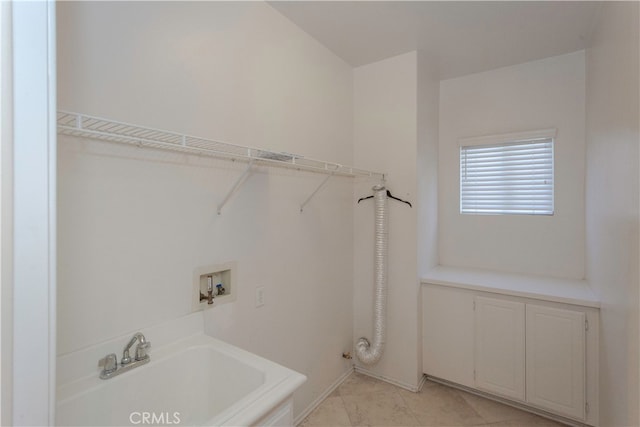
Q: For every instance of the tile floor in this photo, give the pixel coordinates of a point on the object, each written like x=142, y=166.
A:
x=365, y=401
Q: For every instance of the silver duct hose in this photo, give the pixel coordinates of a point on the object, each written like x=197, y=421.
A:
x=370, y=353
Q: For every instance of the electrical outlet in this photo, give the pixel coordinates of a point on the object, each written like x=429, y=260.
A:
x=260, y=296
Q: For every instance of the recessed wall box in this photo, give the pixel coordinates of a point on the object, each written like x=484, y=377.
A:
x=219, y=279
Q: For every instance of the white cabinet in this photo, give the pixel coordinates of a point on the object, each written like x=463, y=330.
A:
x=556, y=360
x=449, y=347
x=538, y=353
x=554, y=354
x=500, y=351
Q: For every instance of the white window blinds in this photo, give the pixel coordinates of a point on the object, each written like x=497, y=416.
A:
x=513, y=177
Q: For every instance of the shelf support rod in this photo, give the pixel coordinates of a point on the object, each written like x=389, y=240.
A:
x=237, y=184
x=315, y=191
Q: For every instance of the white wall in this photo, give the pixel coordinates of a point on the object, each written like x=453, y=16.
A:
x=548, y=93
x=6, y=216
x=385, y=139
x=134, y=224
x=427, y=175
x=427, y=163
x=612, y=205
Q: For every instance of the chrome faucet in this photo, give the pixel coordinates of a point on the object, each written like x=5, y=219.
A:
x=110, y=362
x=141, y=349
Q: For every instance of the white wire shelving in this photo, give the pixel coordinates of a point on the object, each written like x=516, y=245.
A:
x=82, y=125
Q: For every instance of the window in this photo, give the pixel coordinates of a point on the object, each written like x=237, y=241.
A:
x=507, y=174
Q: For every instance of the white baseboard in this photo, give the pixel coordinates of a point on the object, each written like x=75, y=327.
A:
x=423, y=380
x=401, y=384
x=313, y=405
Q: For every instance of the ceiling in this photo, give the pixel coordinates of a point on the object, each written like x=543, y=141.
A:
x=460, y=37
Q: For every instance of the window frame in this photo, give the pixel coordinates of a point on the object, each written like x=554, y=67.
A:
x=504, y=140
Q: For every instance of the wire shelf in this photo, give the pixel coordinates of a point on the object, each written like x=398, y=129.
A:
x=81, y=125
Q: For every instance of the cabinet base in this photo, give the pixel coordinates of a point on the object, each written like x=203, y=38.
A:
x=517, y=405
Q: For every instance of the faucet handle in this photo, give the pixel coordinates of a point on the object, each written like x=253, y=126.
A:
x=109, y=363
x=141, y=350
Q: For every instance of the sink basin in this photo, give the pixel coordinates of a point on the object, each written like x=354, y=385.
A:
x=198, y=380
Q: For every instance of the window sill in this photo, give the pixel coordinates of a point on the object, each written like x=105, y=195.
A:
x=567, y=291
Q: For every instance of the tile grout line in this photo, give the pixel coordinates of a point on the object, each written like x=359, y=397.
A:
x=466, y=402
x=413, y=414
x=344, y=405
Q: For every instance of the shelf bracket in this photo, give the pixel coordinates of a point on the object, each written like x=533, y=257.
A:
x=237, y=184
x=315, y=191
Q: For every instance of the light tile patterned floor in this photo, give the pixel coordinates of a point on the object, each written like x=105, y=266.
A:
x=365, y=401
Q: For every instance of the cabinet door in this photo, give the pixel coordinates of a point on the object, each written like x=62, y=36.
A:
x=447, y=334
x=556, y=360
x=500, y=347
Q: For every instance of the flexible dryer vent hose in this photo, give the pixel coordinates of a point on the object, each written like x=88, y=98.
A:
x=369, y=353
